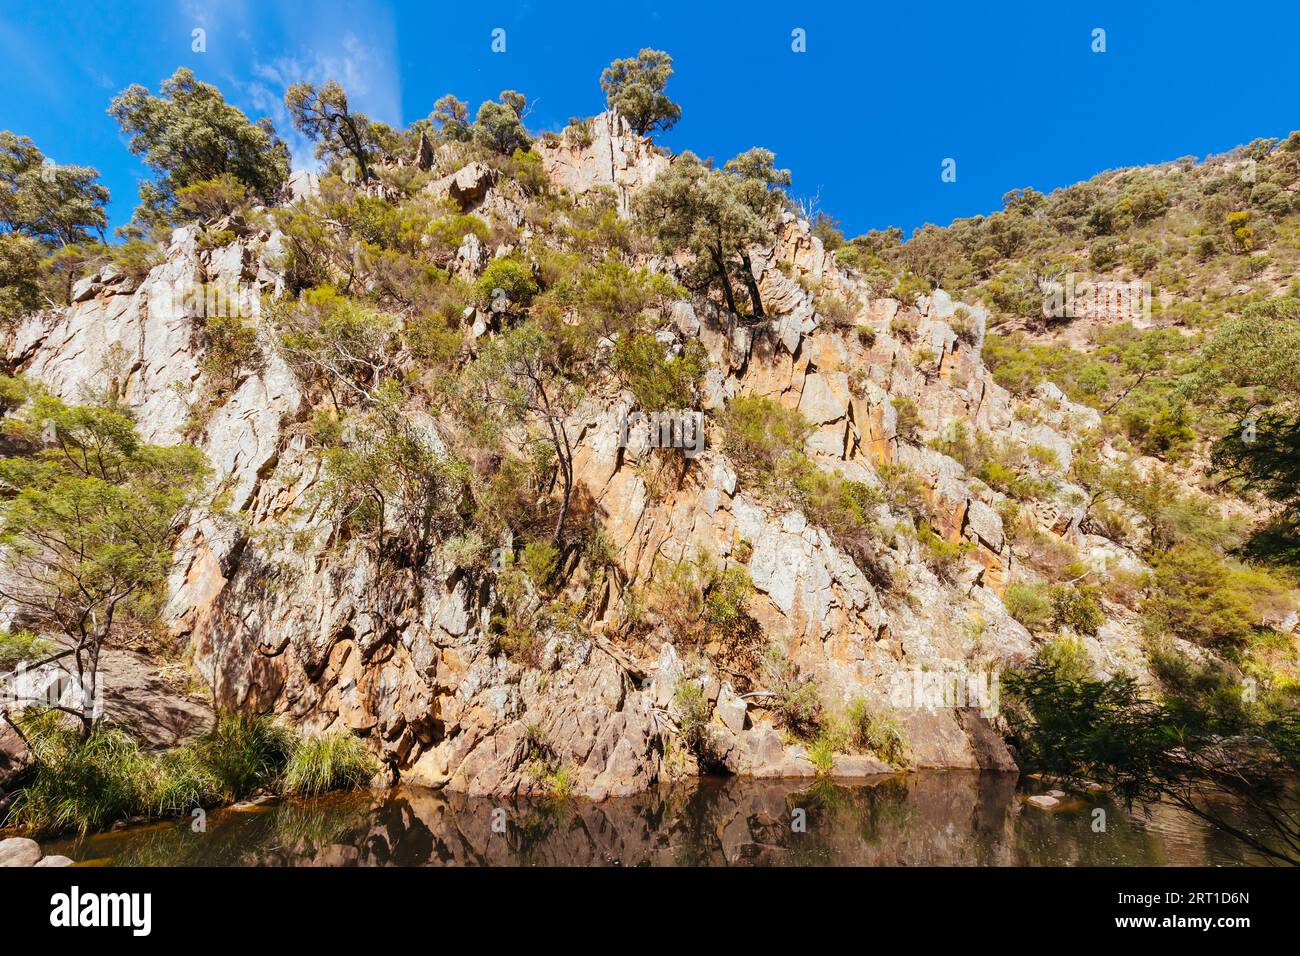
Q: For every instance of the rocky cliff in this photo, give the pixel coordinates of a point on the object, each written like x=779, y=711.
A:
x=278, y=615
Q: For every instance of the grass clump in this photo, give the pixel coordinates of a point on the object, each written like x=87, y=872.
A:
x=84, y=785
x=244, y=753
x=879, y=733
x=337, y=761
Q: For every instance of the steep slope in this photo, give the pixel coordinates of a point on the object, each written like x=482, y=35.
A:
x=282, y=613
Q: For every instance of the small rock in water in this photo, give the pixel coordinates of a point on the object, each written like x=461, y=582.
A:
x=1043, y=801
x=55, y=861
x=1058, y=794
x=19, y=851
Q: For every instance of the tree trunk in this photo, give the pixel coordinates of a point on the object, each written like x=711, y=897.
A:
x=752, y=285
x=720, y=264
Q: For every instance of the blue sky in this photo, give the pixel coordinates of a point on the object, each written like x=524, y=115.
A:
x=864, y=118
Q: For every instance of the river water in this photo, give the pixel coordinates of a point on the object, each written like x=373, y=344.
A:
x=942, y=818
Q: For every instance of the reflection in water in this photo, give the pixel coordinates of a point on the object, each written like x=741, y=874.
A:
x=952, y=818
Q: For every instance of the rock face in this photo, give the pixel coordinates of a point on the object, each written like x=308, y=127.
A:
x=612, y=157
x=280, y=619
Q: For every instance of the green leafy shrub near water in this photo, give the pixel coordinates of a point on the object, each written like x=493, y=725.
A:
x=87, y=785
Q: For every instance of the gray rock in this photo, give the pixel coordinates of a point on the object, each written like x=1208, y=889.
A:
x=56, y=861
x=19, y=851
x=860, y=765
x=819, y=403
x=467, y=186
x=986, y=524
x=731, y=709
x=1043, y=801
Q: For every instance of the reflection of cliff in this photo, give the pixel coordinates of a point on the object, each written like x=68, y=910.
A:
x=955, y=818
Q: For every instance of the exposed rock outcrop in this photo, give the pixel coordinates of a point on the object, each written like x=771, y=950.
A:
x=282, y=619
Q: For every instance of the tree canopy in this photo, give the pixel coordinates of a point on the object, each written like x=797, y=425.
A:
x=324, y=116
x=53, y=203
x=634, y=88
x=190, y=133
x=89, y=522
x=716, y=215
x=499, y=124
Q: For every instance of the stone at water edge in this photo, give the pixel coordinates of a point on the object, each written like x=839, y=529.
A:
x=55, y=861
x=1058, y=794
x=1043, y=801
x=19, y=851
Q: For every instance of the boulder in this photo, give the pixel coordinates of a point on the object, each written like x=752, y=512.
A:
x=467, y=186
x=986, y=523
x=731, y=709
x=14, y=758
x=19, y=851
x=822, y=401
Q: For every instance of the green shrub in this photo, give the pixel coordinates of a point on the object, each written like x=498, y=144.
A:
x=1028, y=605
x=1067, y=658
x=538, y=560
x=699, y=600
x=1200, y=597
x=1103, y=254
x=82, y=785
x=659, y=382
x=905, y=291
x=337, y=761
x=446, y=233
x=511, y=277
x=232, y=349
x=726, y=599
x=21, y=645
x=821, y=753
x=135, y=258
x=878, y=733
x=797, y=703
x=86, y=785
x=212, y=198
x=835, y=312
x=759, y=435
x=943, y=557
x=1075, y=607
x=693, y=712
x=908, y=419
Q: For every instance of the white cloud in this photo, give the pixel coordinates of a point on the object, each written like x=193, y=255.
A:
x=263, y=52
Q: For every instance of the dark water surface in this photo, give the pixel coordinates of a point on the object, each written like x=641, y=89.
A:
x=942, y=818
